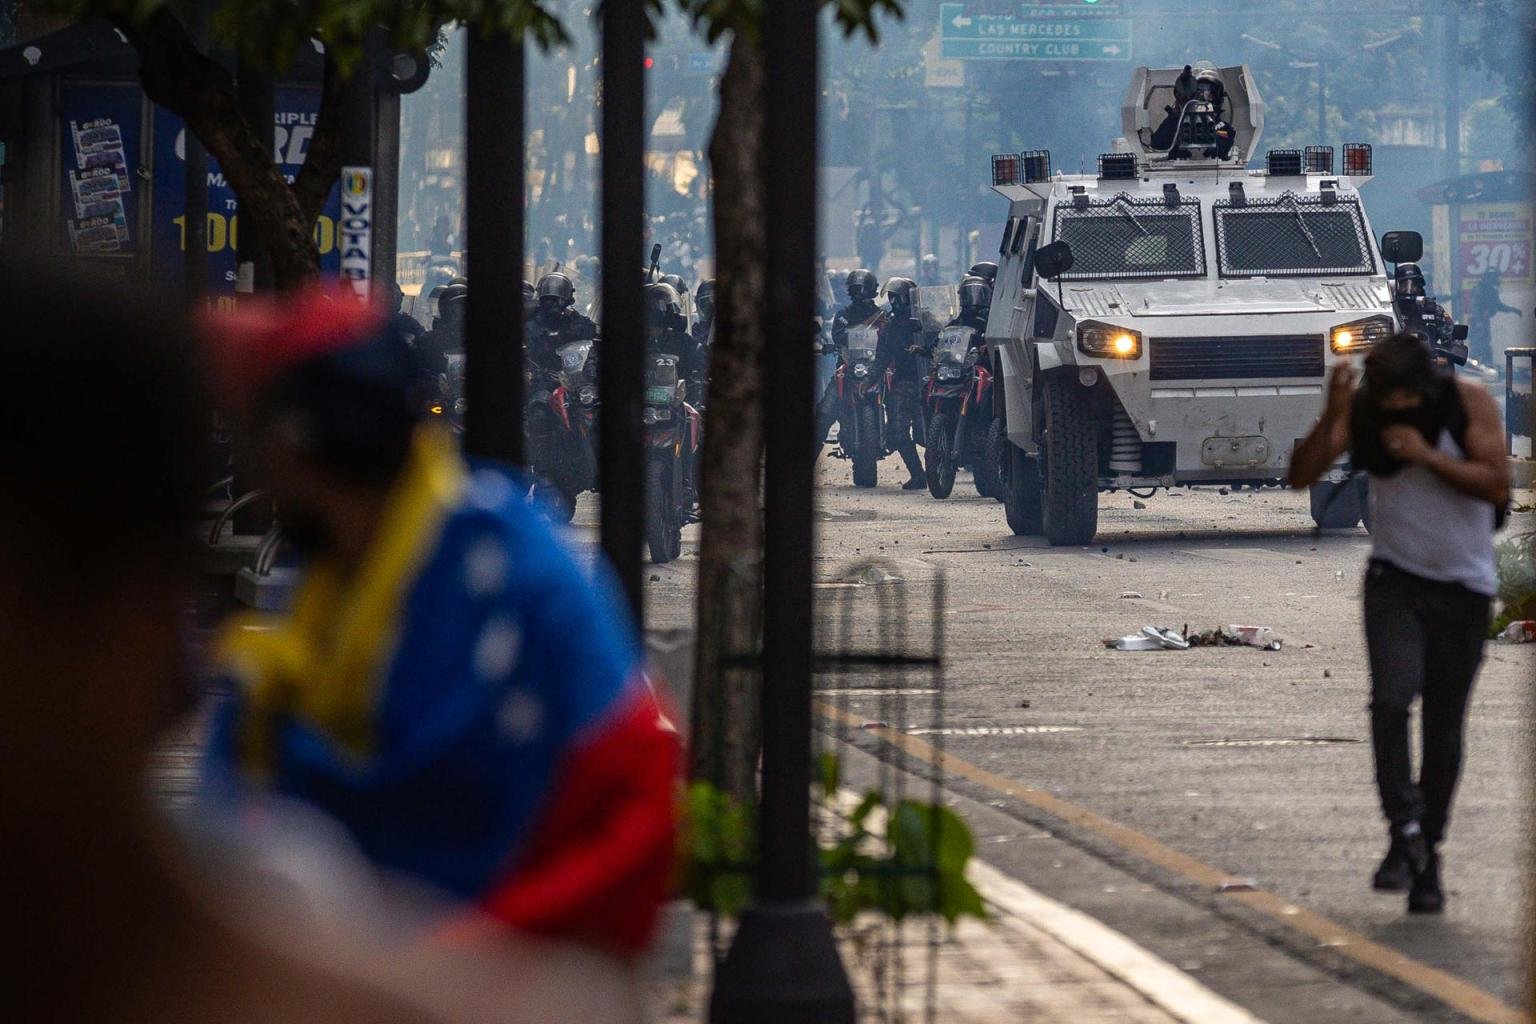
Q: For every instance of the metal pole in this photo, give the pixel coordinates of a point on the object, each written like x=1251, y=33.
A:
x=1322, y=102
x=493, y=210
x=783, y=966
x=1451, y=61
x=621, y=467
x=195, y=184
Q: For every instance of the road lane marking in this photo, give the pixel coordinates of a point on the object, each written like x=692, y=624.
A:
x=1454, y=992
x=1158, y=981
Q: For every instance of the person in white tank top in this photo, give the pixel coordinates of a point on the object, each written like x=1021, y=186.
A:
x=1434, y=448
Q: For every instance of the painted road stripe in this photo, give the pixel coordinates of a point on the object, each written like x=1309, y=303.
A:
x=1158, y=981
x=1454, y=992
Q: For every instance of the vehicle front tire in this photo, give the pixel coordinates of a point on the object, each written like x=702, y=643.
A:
x=1021, y=492
x=938, y=460
x=663, y=531
x=1338, y=506
x=1071, y=505
x=866, y=452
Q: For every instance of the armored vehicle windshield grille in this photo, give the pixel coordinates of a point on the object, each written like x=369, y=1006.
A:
x=1291, y=236
x=1125, y=238
x=1236, y=358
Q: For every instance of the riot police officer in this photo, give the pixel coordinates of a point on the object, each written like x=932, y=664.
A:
x=975, y=295
x=902, y=348
x=704, y=312
x=409, y=327
x=1195, y=120
x=928, y=271
x=554, y=323
x=446, y=337
x=666, y=332
x=862, y=288
x=985, y=270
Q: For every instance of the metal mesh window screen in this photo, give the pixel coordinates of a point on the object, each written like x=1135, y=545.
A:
x=1128, y=238
x=1291, y=236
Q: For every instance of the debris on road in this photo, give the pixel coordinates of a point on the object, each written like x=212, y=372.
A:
x=1522, y=631
x=1261, y=637
x=1138, y=505
x=1130, y=595
x=1151, y=638
x=1238, y=885
x=873, y=576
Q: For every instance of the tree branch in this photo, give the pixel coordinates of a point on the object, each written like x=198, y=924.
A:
x=322, y=164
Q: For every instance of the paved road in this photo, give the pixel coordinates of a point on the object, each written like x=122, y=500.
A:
x=1196, y=751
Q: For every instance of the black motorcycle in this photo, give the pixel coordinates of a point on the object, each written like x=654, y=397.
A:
x=957, y=401
x=561, y=429
x=861, y=391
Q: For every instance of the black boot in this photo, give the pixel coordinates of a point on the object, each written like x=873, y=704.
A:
x=1405, y=857
x=914, y=471
x=1425, y=897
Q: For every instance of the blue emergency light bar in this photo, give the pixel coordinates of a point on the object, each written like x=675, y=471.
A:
x=1037, y=165
x=1281, y=163
x=1117, y=166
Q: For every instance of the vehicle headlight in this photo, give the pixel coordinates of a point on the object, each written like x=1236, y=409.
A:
x=1106, y=341
x=1360, y=335
x=860, y=370
x=949, y=372
x=652, y=416
x=587, y=395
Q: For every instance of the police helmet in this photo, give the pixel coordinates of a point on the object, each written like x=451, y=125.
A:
x=975, y=294
x=861, y=284
x=985, y=270
x=704, y=298
x=660, y=299
x=677, y=283
x=1408, y=280
x=902, y=291
x=451, y=299
x=558, y=287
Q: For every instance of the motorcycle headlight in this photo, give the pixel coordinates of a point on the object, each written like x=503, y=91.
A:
x=1360, y=335
x=949, y=373
x=587, y=395
x=1106, y=341
x=652, y=416
x=860, y=370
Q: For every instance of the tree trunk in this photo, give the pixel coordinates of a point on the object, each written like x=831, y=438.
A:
x=725, y=715
x=179, y=77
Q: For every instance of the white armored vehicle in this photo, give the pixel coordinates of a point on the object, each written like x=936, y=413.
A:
x=1171, y=320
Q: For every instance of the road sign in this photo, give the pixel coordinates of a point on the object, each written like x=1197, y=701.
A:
x=1036, y=33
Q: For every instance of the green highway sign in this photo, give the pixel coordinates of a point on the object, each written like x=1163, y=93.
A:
x=1036, y=33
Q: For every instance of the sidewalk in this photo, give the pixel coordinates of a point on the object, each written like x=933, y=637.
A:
x=1036, y=960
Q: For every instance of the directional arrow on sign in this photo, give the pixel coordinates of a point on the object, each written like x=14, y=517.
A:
x=1113, y=51
x=961, y=21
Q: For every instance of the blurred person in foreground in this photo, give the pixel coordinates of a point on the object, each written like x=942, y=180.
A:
x=448, y=685
x=1434, y=449
x=101, y=466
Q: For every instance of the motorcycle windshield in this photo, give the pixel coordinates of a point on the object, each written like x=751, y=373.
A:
x=952, y=346
x=861, y=344
x=662, y=373
x=573, y=356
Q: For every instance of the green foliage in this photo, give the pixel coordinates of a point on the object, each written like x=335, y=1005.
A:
x=716, y=18
x=898, y=862
x=1516, y=560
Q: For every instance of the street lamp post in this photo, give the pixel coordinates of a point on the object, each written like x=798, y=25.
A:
x=783, y=966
